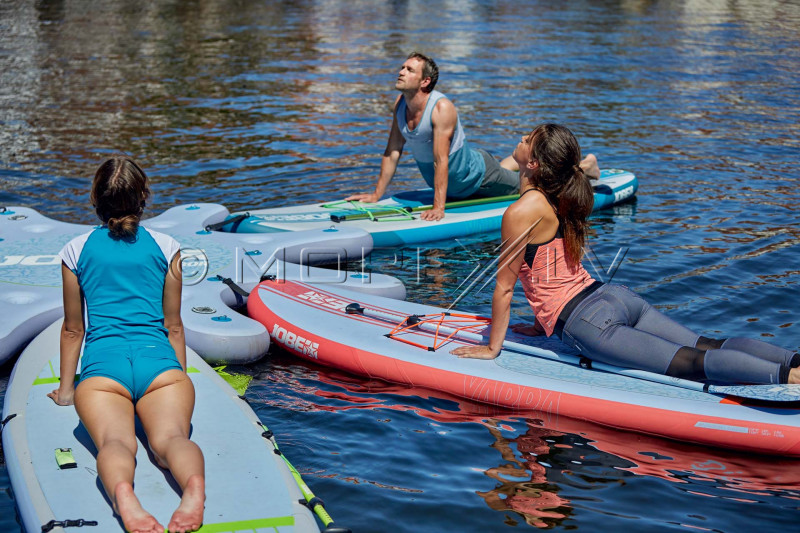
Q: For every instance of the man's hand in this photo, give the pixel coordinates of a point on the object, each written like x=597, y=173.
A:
x=367, y=198
x=437, y=213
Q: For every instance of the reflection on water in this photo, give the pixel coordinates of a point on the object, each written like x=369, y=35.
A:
x=256, y=104
x=544, y=470
x=535, y=499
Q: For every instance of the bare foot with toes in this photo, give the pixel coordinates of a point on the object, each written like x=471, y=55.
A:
x=189, y=514
x=134, y=517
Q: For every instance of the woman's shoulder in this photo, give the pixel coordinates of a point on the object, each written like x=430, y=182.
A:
x=157, y=235
x=71, y=252
x=532, y=205
x=166, y=243
x=83, y=237
x=531, y=210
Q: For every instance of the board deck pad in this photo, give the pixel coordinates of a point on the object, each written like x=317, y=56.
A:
x=248, y=485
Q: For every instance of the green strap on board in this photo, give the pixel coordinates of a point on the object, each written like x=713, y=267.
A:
x=377, y=210
x=247, y=525
x=370, y=211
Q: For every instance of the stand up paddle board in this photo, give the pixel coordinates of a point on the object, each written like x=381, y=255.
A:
x=395, y=221
x=249, y=487
x=376, y=339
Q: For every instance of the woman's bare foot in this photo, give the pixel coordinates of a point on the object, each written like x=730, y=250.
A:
x=134, y=517
x=531, y=330
x=189, y=514
x=590, y=167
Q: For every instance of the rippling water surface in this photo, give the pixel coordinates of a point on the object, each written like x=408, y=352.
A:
x=256, y=104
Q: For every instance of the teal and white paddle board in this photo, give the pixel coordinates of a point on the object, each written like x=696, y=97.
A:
x=30, y=274
x=248, y=486
x=395, y=221
x=314, y=323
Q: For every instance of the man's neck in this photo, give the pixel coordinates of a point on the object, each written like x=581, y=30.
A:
x=416, y=100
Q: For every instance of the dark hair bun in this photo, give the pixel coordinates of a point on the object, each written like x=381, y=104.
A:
x=123, y=227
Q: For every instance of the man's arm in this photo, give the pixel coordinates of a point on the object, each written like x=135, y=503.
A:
x=391, y=156
x=444, y=119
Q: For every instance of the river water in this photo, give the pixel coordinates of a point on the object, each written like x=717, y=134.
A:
x=257, y=104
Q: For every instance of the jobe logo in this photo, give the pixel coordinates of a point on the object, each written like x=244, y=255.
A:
x=30, y=260
x=264, y=220
x=624, y=193
x=294, y=341
x=324, y=301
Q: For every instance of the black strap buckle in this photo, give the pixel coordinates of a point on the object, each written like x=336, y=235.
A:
x=313, y=502
x=52, y=524
x=7, y=419
x=233, y=220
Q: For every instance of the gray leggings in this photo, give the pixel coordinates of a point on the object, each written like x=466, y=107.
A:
x=497, y=181
x=616, y=326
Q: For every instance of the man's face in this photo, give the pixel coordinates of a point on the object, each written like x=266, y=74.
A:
x=410, y=76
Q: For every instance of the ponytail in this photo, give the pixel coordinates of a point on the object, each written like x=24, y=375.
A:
x=575, y=203
x=563, y=182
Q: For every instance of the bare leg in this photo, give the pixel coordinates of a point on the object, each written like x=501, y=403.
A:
x=106, y=410
x=590, y=167
x=165, y=411
x=794, y=376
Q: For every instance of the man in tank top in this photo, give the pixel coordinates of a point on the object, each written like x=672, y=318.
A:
x=427, y=121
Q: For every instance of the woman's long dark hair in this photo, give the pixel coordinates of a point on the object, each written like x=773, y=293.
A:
x=119, y=194
x=561, y=179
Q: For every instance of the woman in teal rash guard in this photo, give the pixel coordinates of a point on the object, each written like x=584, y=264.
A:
x=128, y=279
x=543, y=234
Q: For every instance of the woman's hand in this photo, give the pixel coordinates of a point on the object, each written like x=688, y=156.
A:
x=62, y=398
x=475, y=352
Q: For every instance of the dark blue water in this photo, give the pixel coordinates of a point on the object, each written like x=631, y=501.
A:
x=255, y=104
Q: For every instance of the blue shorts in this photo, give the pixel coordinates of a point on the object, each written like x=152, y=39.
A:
x=134, y=366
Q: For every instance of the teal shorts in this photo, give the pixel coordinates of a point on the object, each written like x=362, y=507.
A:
x=134, y=366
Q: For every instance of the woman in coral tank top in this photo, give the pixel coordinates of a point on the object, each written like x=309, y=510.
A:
x=543, y=235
